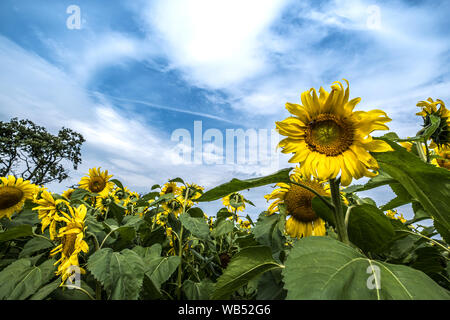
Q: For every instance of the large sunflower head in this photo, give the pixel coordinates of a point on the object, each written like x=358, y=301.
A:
x=97, y=182
x=13, y=193
x=303, y=221
x=328, y=137
x=441, y=136
x=234, y=202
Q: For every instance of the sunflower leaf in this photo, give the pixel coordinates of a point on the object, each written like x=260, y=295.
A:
x=424, y=182
x=197, y=226
x=21, y=231
x=324, y=268
x=120, y=273
x=236, y=185
x=246, y=265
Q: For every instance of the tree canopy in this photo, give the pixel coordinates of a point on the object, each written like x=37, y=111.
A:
x=29, y=151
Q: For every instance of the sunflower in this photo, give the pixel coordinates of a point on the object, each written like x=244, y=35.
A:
x=48, y=209
x=13, y=193
x=72, y=242
x=97, y=182
x=68, y=193
x=174, y=205
x=234, y=202
x=194, y=192
x=245, y=225
x=328, y=137
x=441, y=137
x=304, y=221
x=444, y=154
x=393, y=214
x=169, y=187
x=102, y=203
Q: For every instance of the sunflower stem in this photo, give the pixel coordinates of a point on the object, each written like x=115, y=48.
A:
x=180, y=252
x=329, y=205
x=420, y=151
x=427, y=150
x=338, y=212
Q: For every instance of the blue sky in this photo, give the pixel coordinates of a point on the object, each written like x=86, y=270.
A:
x=138, y=70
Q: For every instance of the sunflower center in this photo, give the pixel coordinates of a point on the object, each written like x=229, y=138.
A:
x=298, y=201
x=68, y=242
x=97, y=184
x=328, y=134
x=10, y=196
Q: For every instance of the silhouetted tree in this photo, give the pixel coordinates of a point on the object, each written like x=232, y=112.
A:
x=30, y=152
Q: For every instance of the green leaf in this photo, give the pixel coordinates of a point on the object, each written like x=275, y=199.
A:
x=117, y=183
x=380, y=180
x=223, y=227
x=21, y=279
x=79, y=194
x=121, y=274
x=323, y=268
x=198, y=290
x=236, y=185
x=16, y=232
x=368, y=226
x=46, y=290
x=425, y=183
x=159, y=269
x=268, y=231
x=196, y=213
x=35, y=245
x=271, y=286
x=197, y=226
x=143, y=201
x=244, y=266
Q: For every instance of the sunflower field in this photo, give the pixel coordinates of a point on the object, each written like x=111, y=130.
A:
x=316, y=239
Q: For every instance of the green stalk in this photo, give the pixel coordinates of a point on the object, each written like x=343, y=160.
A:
x=180, y=252
x=338, y=213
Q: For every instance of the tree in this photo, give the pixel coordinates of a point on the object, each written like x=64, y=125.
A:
x=29, y=151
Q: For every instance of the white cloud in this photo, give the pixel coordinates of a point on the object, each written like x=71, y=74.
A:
x=216, y=43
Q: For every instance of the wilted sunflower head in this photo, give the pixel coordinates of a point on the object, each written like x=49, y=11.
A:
x=13, y=193
x=234, y=202
x=441, y=136
x=174, y=205
x=327, y=137
x=191, y=192
x=97, y=182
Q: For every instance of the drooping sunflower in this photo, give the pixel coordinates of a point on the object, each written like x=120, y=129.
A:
x=72, y=241
x=328, y=137
x=102, y=203
x=174, y=205
x=48, y=209
x=194, y=192
x=234, y=202
x=441, y=137
x=303, y=221
x=13, y=193
x=97, y=182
